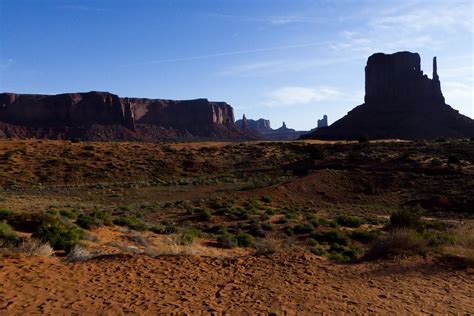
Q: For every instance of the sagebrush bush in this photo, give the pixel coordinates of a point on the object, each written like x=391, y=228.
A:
x=332, y=236
x=349, y=221
x=302, y=229
x=364, y=236
x=266, y=246
x=7, y=234
x=187, y=236
x=130, y=222
x=318, y=251
x=59, y=235
x=405, y=219
x=226, y=240
x=244, y=239
x=163, y=229
x=399, y=242
x=88, y=222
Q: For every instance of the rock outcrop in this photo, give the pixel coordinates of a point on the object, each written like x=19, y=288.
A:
x=105, y=116
x=323, y=122
x=400, y=102
x=260, y=125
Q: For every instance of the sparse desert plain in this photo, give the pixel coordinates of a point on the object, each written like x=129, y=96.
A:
x=298, y=227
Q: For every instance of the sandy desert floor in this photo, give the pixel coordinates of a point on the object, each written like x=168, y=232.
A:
x=285, y=283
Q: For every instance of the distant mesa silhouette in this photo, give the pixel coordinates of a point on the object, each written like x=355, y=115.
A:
x=400, y=102
x=264, y=130
x=260, y=125
x=105, y=116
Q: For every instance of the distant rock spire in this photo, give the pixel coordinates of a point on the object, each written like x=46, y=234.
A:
x=244, y=121
x=435, y=69
x=283, y=124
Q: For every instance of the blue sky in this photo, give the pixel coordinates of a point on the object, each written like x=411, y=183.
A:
x=287, y=61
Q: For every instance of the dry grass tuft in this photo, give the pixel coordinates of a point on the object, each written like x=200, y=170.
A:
x=78, y=254
x=35, y=247
x=462, y=245
x=399, y=243
x=267, y=246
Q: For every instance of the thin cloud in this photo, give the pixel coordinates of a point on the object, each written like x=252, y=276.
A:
x=223, y=54
x=6, y=64
x=297, y=95
x=81, y=8
x=276, y=66
x=276, y=20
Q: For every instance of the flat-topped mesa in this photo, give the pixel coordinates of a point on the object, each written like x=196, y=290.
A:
x=190, y=114
x=105, y=116
x=397, y=78
x=68, y=109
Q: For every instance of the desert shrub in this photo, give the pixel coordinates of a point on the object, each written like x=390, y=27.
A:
x=130, y=222
x=404, y=219
x=35, y=247
x=266, y=246
x=343, y=253
x=318, y=251
x=163, y=229
x=7, y=234
x=331, y=236
x=316, y=153
x=244, y=239
x=266, y=199
x=438, y=238
x=311, y=242
x=301, y=229
x=29, y=222
x=68, y=214
x=267, y=226
x=399, y=242
x=461, y=245
x=138, y=239
x=187, y=236
x=364, y=235
x=349, y=221
x=226, y=240
x=6, y=214
x=59, y=235
x=204, y=214
x=94, y=220
x=87, y=221
x=256, y=230
x=312, y=219
x=78, y=253
x=288, y=230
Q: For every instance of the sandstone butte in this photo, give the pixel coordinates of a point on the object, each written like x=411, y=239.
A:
x=400, y=102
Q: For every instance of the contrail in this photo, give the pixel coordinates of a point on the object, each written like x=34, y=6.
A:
x=239, y=52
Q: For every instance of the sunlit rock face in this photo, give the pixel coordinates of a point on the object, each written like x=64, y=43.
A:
x=105, y=116
x=400, y=102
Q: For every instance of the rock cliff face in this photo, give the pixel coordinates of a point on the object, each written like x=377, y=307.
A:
x=105, y=116
x=400, y=102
